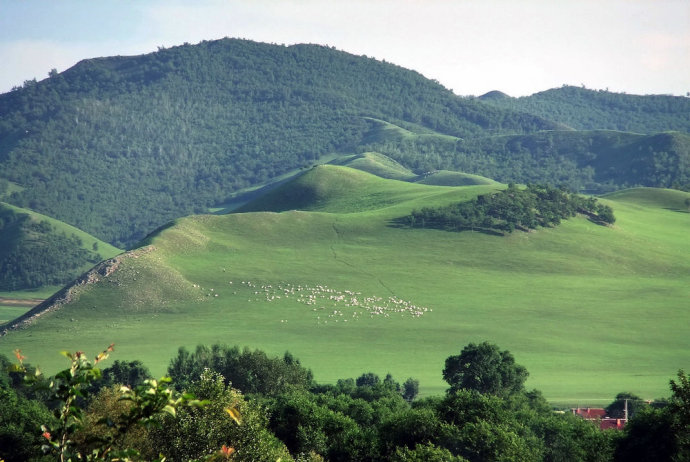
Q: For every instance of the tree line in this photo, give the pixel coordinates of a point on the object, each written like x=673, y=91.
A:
x=511, y=209
x=226, y=403
x=593, y=161
x=585, y=109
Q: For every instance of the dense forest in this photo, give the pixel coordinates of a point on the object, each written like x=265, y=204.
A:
x=584, y=109
x=511, y=209
x=119, y=146
x=590, y=161
x=223, y=403
x=33, y=253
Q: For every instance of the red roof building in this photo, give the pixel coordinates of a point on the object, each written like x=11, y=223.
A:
x=599, y=415
x=590, y=413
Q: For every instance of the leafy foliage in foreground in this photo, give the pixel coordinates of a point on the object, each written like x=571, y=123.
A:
x=511, y=209
x=365, y=419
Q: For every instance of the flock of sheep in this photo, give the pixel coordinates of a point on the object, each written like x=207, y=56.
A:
x=327, y=304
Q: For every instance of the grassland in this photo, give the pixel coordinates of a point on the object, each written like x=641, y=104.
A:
x=326, y=274
x=15, y=303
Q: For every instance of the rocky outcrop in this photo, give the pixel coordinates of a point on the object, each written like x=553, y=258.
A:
x=68, y=293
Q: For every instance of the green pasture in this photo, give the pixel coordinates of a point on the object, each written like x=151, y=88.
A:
x=589, y=310
x=39, y=293
x=9, y=312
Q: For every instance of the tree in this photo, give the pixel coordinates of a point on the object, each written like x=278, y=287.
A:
x=425, y=453
x=250, y=371
x=680, y=408
x=20, y=419
x=605, y=214
x=485, y=428
x=368, y=379
x=486, y=369
x=410, y=389
x=196, y=432
x=617, y=408
x=660, y=434
x=129, y=373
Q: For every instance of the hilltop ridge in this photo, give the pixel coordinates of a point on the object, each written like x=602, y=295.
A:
x=584, y=109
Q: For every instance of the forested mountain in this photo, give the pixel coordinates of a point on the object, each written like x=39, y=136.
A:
x=584, y=109
x=121, y=145
x=118, y=146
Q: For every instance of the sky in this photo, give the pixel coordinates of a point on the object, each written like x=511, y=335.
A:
x=519, y=47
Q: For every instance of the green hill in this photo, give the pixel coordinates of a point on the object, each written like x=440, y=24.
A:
x=653, y=197
x=449, y=178
x=590, y=310
x=330, y=188
x=379, y=165
x=37, y=251
x=584, y=109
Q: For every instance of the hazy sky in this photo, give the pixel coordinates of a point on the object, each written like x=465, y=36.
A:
x=471, y=46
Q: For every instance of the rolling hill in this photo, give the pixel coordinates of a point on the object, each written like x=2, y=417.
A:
x=322, y=269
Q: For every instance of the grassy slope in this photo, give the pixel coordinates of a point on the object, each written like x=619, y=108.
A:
x=380, y=165
x=450, y=178
x=589, y=310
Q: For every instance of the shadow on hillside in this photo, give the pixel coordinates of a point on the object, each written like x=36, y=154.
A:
x=404, y=223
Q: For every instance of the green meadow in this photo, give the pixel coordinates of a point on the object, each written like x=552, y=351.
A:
x=320, y=267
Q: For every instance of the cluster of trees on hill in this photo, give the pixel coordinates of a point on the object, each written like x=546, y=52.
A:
x=120, y=413
x=119, y=146
x=584, y=109
x=511, y=209
x=33, y=253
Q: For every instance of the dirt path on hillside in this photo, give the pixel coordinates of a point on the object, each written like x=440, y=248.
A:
x=25, y=302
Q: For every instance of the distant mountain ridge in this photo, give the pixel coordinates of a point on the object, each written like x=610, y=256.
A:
x=584, y=109
x=119, y=146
